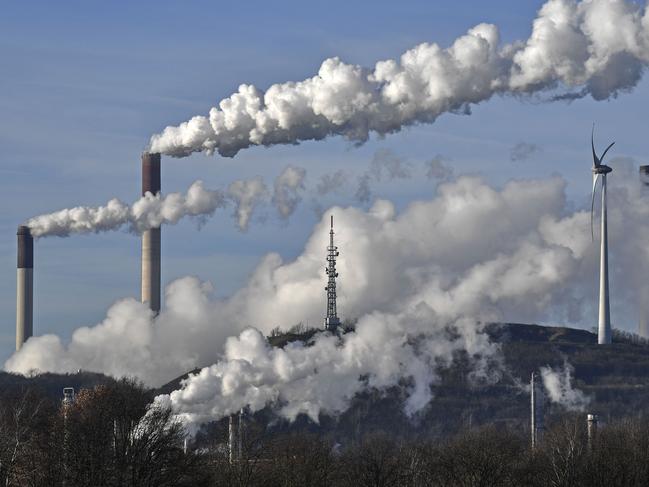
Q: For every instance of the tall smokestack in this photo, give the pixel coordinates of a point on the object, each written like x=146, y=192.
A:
x=643, y=309
x=24, y=287
x=151, y=238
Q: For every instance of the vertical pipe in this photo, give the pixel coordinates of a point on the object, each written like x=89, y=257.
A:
x=643, y=291
x=240, y=439
x=604, y=328
x=24, y=286
x=151, y=270
x=533, y=410
x=591, y=420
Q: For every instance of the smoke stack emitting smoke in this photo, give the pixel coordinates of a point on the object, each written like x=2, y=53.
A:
x=542, y=247
x=151, y=238
x=24, y=286
x=599, y=47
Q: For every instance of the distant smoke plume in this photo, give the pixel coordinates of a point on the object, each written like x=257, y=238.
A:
x=364, y=190
x=147, y=212
x=331, y=182
x=419, y=280
x=247, y=195
x=436, y=169
x=287, y=188
x=523, y=151
x=558, y=384
x=385, y=166
x=597, y=48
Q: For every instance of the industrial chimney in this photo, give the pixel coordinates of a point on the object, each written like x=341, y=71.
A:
x=151, y=238
x=643, y=309
x=24, y=286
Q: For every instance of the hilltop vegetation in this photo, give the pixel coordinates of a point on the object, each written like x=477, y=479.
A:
x=471, y=433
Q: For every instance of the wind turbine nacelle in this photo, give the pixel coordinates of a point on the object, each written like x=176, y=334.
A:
x=602, y=169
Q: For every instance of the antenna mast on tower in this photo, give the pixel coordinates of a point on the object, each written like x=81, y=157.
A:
x=331, y=321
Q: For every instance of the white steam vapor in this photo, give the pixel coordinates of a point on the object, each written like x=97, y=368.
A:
x=558, y=383
x=286, y=194
x=148, y=212
x=385, y=166
x=418, y=281
x=596, y=47
x=247, y=194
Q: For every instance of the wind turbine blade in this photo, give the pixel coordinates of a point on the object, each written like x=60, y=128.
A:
x=592, y=206
x=602, y=158
x=592, y=145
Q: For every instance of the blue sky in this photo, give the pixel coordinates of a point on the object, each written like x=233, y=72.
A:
x=84, y=84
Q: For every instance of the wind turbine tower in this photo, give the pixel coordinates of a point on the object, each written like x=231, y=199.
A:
x=599, y=169
x=331, y=322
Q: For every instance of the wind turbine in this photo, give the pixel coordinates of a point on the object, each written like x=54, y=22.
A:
x=599, y=169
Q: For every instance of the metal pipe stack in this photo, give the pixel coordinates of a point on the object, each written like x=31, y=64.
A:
x=151, y=270
x=591, y=421
x=536, y=411
x=24, y=287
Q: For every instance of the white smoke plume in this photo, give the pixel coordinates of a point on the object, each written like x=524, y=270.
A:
x=595, y=47
x=418, y=280
x=148, y=212
x=247, y=194
x=559, y=384
x=287, y=188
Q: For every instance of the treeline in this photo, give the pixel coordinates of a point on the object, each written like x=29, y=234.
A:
x=112, y=436
x=617, y=455
x=109, y=436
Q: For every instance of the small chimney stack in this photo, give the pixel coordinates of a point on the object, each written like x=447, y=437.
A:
x=591, y=421
x=536, y=411
x=24, y=286
x=151, y=242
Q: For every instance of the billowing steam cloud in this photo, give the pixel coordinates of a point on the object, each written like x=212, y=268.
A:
x=558, y=383
x=596, y=48
x=148, y=212
x=153, y=211
x=418, y=281
x=286, y=194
